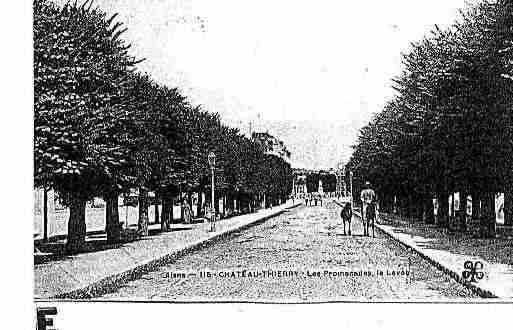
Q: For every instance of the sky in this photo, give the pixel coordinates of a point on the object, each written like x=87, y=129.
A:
x=311, y=73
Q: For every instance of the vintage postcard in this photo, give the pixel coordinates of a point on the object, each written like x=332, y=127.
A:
x=284, y=152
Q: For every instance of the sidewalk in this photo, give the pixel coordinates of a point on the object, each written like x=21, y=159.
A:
x=86, y=274
x=449, y=252
x=95, y=220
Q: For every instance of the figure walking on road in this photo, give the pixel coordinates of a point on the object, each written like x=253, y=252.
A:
x=368, y=198
x=347, y=215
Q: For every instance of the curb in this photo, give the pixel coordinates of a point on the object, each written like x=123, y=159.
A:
x=109, y=283
x=483, y=293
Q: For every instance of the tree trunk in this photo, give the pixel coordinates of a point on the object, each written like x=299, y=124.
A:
x=452, y=213
x=156, y=205
x=164, y=223
x=411, y=206
x=453, y=205
x=112, y=219
x=474, y=223
x=142, y=224
x=508, y=206
x=216, y=203
x=462, y=212
x=45, y=215
x=415, y=210
x=403, y=209
x=224, y=206
x=419, y=207
x=182, y=214
x=443, y=210
x=476, y=205
x=172, y=209
x=389, y=208
x=76, y=225
x=488, y=217
x=232, y=203
x=385, y=204
x=429, y=210
x=228, y=199
x=200, y=204
x=399, y=206
x=189, y=200
x=463, y=200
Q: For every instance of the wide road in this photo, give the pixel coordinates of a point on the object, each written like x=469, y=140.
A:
x=300, y=256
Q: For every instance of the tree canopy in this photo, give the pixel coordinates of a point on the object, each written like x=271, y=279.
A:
x=449, y=127
x=102, y=128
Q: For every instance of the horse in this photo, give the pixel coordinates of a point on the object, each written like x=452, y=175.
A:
x=346, y=214
x=369, y=218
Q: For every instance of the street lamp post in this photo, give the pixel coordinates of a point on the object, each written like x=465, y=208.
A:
x=212, y=163
x=340, y=180
x=293, y=189
x=351, y=187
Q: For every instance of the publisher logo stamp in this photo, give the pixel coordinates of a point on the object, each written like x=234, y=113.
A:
x=472, y=272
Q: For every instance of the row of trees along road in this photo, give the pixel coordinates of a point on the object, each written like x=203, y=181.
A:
x=329, y=181
x=102, y=128
x=449, y=127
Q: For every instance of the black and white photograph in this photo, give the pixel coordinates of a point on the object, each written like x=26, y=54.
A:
x=271, y=152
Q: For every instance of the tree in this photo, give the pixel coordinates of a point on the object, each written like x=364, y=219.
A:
x=102, y=129
x=80, y=67
x=453, y=98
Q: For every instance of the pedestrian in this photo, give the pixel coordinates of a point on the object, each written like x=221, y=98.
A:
x=210, y=217
x=368, y=198
x=187, y=212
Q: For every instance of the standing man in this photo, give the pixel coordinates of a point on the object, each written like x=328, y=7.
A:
x=368, y=197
